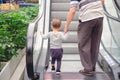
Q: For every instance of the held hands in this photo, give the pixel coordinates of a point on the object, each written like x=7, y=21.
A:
x=66, y=29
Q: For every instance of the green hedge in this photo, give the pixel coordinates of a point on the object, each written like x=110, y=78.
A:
x=13, y=29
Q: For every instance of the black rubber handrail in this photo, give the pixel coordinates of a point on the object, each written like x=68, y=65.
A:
x=29, y=52
x=29, y=49
x=29, y=45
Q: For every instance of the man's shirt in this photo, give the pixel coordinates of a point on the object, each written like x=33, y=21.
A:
x=88, y=9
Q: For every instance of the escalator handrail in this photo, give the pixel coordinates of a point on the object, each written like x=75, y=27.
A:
x=30, y=42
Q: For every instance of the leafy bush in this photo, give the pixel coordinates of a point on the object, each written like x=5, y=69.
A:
x=13, y=29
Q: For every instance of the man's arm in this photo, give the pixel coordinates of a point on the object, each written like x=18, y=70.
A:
x=71, y=13
x=65, y=36
x=102, y=1
x=70, y=16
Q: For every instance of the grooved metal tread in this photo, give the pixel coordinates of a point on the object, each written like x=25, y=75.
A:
x=63, y=15
x=61, y=7
x=70, y=48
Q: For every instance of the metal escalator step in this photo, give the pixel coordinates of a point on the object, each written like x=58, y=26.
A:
x=73, y=25
x=62, y=15
x=60, y=6
x=70, y=48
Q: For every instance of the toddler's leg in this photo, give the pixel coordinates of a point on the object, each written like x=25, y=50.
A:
x=53, y=64
x=58, y=64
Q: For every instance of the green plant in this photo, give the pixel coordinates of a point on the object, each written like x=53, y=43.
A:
x=13, y=29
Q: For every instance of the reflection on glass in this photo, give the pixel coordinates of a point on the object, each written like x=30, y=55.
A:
x=34, y=50
x=118, y=3
x=114, y=26
x=115, y=31
x=111, y=39
x=110, y=8
x=111, y=34
x=37, y=48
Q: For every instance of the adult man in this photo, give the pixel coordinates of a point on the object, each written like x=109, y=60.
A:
x=89, y=31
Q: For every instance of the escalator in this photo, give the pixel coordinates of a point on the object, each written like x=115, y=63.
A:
x=38, y=59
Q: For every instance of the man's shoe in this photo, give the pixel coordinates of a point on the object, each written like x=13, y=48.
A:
x=87, y=73
x=94, y=69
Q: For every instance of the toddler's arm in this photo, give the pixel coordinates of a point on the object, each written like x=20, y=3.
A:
x=65, y=35
x=45, y=36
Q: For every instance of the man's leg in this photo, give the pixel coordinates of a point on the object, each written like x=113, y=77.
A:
x=96, y=37
x=84, y=43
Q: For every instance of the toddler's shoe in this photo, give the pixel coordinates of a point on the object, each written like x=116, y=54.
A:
x=53, y=69
x=58, y=72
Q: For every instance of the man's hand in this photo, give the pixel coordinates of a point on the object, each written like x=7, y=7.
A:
x=66, y=29
x=102, y=1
